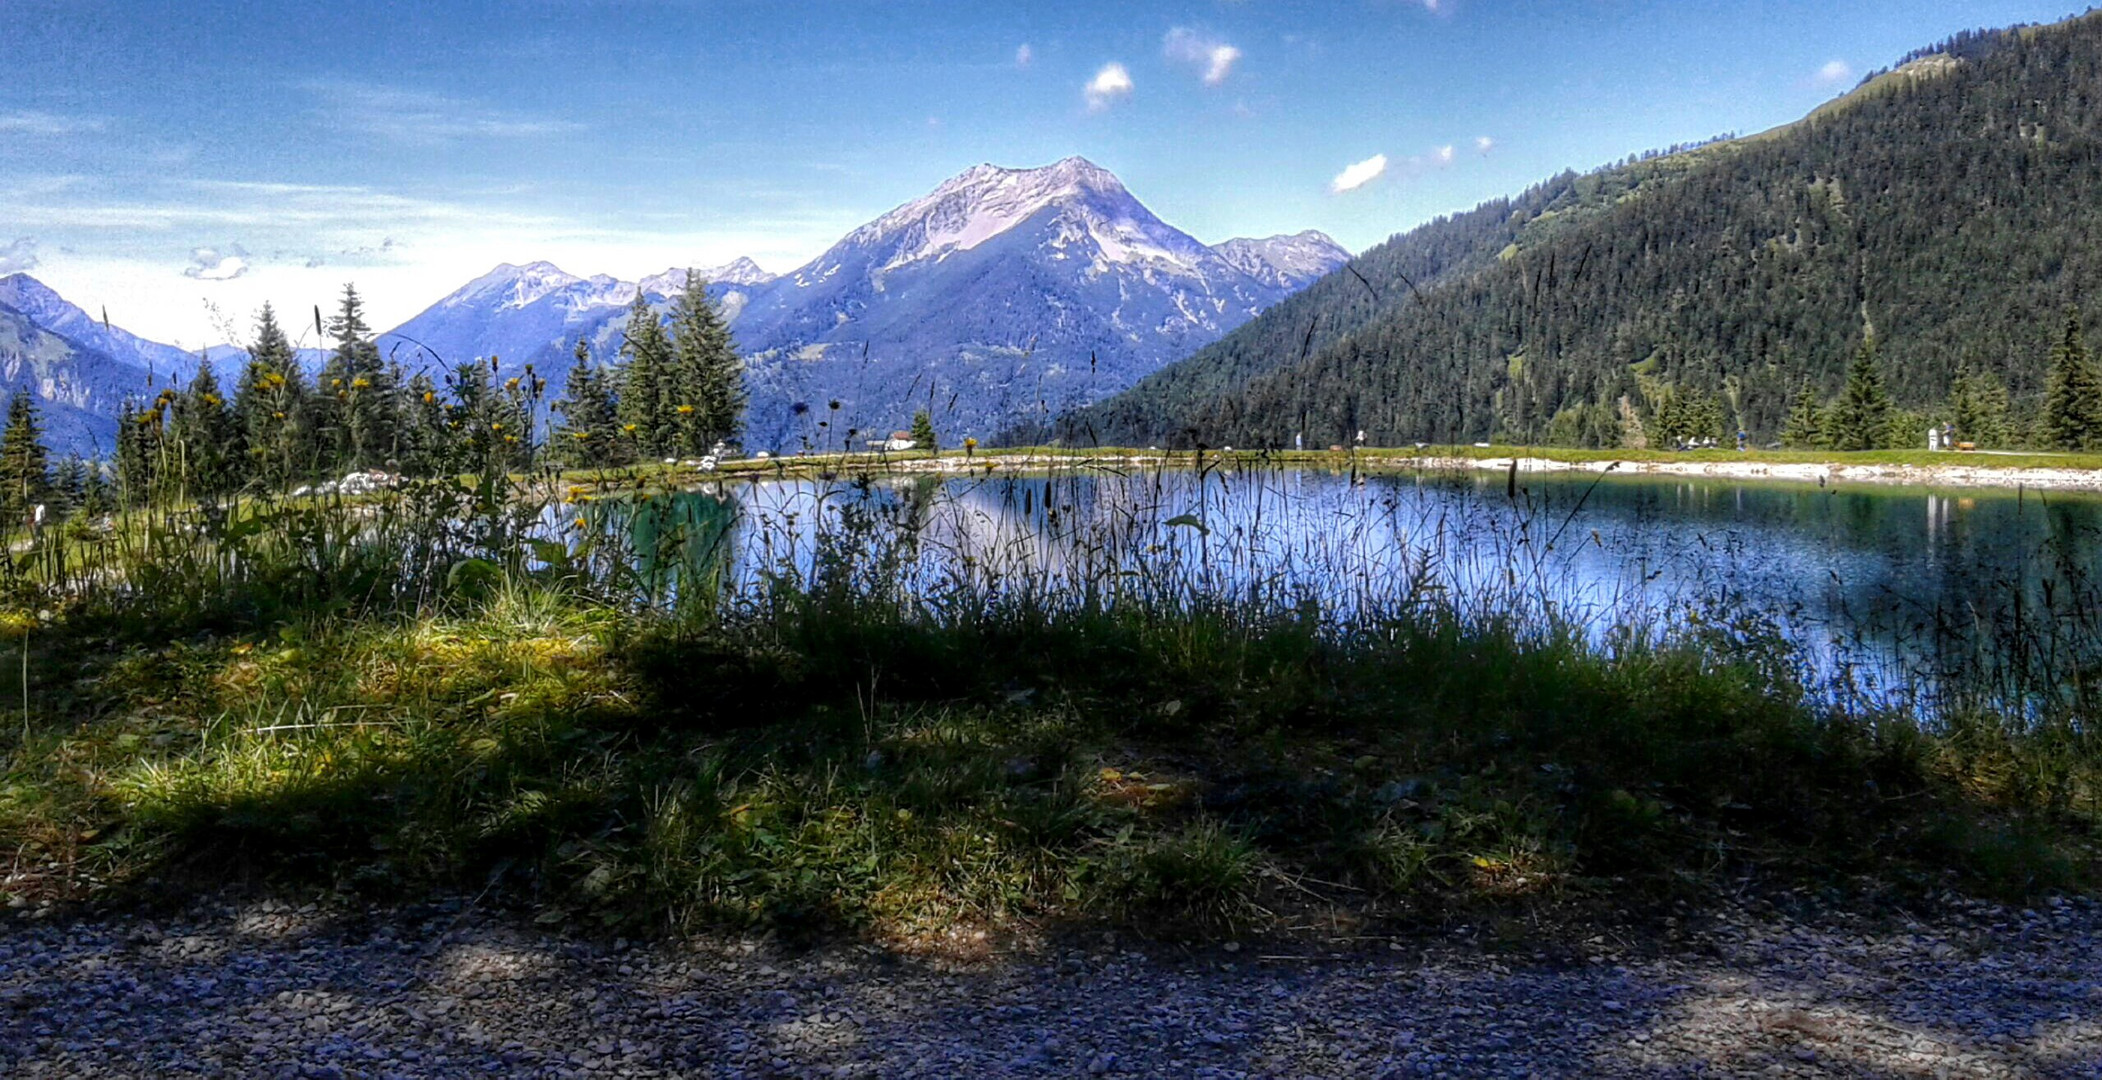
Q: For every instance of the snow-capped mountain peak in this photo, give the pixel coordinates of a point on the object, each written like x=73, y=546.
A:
x=739, y=271
x=986, y=201
x=511, y=286
x=1285, y=261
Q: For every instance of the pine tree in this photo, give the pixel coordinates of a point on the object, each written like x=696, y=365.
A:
x=708, y=375
x=589, y=435
x=1802, y=430
x=207, y=440
x=1860, y=419
x=2072, y=415
x=923, y=437
x=646, y=413
x=25, y=470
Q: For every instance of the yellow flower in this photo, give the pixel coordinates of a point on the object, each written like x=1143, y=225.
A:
x=360, y=383
x=580, y=434
x=511, y=383
x=580, y=523
x=685, y=409
x=496, y=427
x=429, y=397
x=629, y=428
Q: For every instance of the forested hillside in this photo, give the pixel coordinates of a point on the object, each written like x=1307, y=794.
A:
x=1948, y=210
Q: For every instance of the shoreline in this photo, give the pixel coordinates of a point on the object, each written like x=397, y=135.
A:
x=1823, y=475
x=1820, y=473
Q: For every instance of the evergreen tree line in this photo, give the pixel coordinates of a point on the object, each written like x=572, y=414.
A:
x=1958, y=202
x=674, y=389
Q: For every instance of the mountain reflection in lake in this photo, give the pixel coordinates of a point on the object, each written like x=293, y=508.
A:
x=1878, y=586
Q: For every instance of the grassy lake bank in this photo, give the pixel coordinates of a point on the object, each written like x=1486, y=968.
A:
x=1907, y=468
x=418, y=690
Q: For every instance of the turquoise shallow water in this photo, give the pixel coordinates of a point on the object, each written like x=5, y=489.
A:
x=1882, y=586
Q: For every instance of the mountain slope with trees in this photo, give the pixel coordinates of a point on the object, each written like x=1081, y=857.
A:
x=1948, y=210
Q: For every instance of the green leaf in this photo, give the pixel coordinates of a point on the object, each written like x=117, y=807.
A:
x=1190, y=521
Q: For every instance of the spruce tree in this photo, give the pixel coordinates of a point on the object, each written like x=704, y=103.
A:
x=69, y=486
x=589, y=435
x=2072, y=414
x=646, y=413
x=1801, y=430
x=138, y=439
x=708, y=379
x=427, y=437
x=25, y=469
x=923, y=431
x=1979, y=408
x=362, y=410
x=1860, y=419
x=272, y=408
x=207, y=440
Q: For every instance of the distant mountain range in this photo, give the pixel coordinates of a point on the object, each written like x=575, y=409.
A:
x=1953, y=203
x=1006, y=295
x=78, y=368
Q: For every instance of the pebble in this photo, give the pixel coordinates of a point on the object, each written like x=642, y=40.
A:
x=442, y=990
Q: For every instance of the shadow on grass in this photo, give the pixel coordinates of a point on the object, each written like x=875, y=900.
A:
x=834, y=768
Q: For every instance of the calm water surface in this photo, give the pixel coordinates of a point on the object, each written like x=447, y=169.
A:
x=1877, y=583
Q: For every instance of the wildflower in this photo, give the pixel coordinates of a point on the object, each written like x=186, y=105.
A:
x=579, y=523
x=360, y=383
x=685, y=410
x=429, y=396
x=629, y=428
x=580, y=434
x=496, y=427
x=511, y=383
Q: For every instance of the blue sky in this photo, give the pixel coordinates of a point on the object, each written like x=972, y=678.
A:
x=169, y=160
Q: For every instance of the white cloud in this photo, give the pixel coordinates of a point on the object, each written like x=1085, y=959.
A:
x=420, y=118
x=32, y=122
x=18, y=256
x=1360, y=174
x=1186, y=46
x=211, y=264
x=1024, y=56
x=1835, y=73
x=1109, y=85
x=1484, y=144
x=1442, y=155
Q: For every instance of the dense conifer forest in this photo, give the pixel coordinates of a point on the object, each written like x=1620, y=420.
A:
x=1922, y=250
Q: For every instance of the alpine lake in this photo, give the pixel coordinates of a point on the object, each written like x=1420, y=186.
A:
x=1880, y=596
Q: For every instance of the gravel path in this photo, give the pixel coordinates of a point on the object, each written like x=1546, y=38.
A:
x=263, y=989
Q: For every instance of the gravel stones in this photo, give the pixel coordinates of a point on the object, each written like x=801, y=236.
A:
x=263, y=989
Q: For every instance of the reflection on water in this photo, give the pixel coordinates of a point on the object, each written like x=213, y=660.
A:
x=1878, y=585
